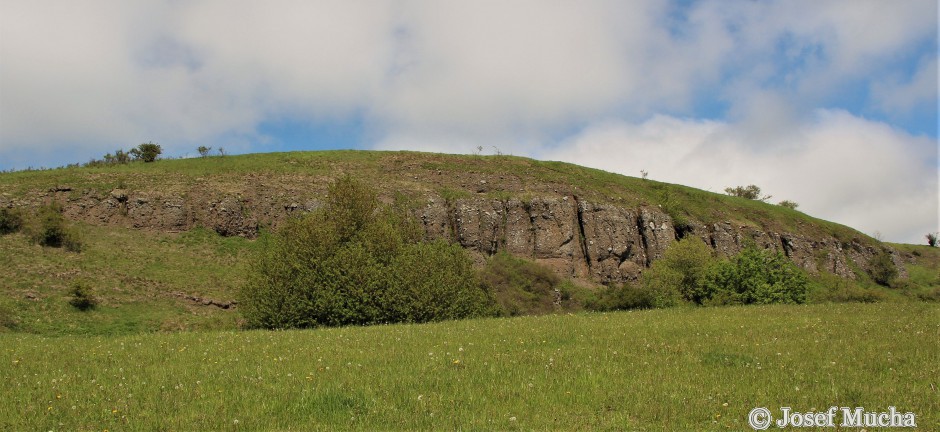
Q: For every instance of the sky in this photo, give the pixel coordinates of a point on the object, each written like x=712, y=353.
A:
x=831, y=104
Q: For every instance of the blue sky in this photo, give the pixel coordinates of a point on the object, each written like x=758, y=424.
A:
x=832, y=104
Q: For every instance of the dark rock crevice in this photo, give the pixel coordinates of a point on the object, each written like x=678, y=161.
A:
x=581, y=235
x=641, y=227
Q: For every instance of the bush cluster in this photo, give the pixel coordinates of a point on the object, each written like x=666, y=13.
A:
x=82, y=297
x=882, y=269
x=47, y=227
x=624, y=297
x=50, y=229
x=755, y=276
x=11, y=220
x=688, y=272
x=147, y=152
x=750, y=192
x=679, y=275
x=356, y=262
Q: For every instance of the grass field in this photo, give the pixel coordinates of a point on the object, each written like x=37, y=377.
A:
x=674, y=369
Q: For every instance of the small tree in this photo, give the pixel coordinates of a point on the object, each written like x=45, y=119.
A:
x=750, y=192
x=932, y=239
x=147, y=152
x=203, y=151
x=788, y=204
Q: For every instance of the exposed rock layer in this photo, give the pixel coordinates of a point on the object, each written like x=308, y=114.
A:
x=598, y=241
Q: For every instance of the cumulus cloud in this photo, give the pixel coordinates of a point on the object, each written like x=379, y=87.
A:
x=113, y=73
x=839, y=167
x=472, y=66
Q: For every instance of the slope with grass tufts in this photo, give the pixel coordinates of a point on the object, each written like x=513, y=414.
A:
x=581, y=222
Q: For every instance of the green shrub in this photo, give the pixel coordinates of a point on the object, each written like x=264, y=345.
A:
x=520, y=287
x=11, y=220
x=626, y=297
x=688, y=272
x=788, y=204
x=750, y=192
x=82, y=297
x=147, y=152
x=435, y=281
x=50, y=229
x=755, y=276
x=679, y=274
x=882, y=269
x=354, y=262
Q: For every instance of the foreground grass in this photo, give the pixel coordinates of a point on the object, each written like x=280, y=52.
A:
x=677, y=369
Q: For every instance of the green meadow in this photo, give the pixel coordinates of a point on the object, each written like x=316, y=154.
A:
x=672, y=369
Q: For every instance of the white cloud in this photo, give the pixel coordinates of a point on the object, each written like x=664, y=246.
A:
x=104, y=74
x=919, y=91
x=479, y=66
x=838, y=167
x=112, y=71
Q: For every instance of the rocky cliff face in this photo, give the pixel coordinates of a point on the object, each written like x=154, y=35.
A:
x=611, y=244
x=599, y=241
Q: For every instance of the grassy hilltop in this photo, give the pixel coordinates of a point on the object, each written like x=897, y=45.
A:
x=414, y=174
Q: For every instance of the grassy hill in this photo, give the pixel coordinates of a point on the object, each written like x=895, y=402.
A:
x=416, y=174
x=151, y=279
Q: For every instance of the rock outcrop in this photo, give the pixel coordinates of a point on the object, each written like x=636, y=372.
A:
x=603, y=242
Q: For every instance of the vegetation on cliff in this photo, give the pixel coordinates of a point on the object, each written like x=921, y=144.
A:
x=356, y=262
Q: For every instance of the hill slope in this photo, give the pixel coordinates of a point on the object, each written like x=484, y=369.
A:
x=582, y=222
x=167, y=243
